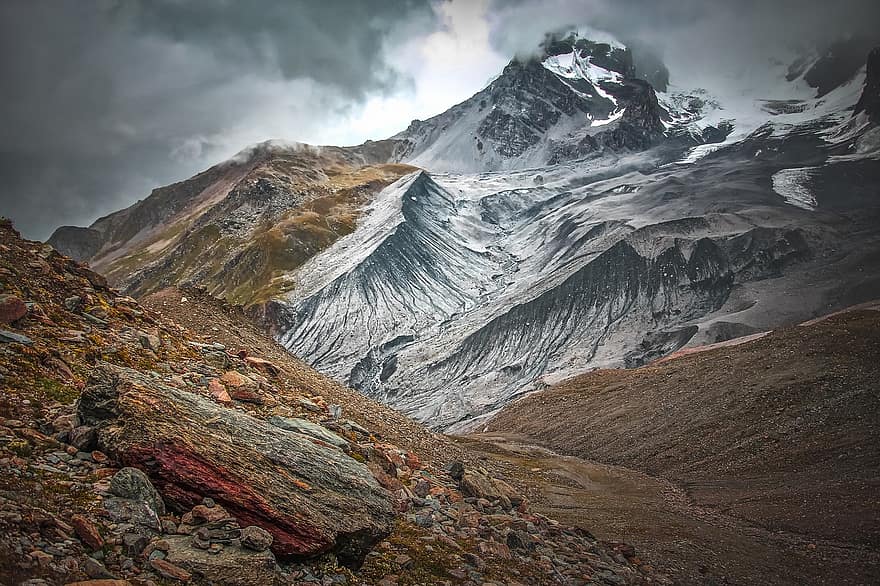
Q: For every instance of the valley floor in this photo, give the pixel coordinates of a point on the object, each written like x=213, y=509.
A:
x=754, y=463
x=688, y=543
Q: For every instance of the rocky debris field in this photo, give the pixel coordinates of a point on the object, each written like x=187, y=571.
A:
x=133, y=451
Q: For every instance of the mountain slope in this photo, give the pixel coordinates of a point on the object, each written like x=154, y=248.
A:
x=239, y=226
x=780, y=432
x=133, y=448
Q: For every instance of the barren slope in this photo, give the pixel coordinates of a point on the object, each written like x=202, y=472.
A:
x=779, y=432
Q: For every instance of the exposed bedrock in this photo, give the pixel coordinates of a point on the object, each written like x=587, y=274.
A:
x=279, y=480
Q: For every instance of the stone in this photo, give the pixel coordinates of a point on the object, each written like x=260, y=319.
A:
x=241, y=387
x=95, y=569
x=100, y=582
x=133, y=484
x=205, y=514
x=167, y=569
x=261, y=364
x=218, y=391
x=479, y=485
x=149, y=341
x=306, y=427
x=12, y=309
x=255, y=538
x=87, y=532
x=455, y=469
x=312, y=498
x=83, y=437
x=494, y=549
x=227, y=566
x=134, y=543
x=8, y=337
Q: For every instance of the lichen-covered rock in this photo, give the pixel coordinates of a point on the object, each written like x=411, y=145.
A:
x=306, y=427
x=131, y=483
x=311, y=498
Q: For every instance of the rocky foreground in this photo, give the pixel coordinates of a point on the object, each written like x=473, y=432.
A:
x=134, y=451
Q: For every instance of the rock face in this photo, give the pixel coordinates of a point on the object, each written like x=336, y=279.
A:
x=78, y=243
x=577, y=99
x=281, y=481
x=870, y=100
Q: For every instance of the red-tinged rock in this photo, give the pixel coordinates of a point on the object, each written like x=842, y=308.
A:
x=99, y=457
x=246, y=395
x=218, y=391
x=202, y=514
x=254, y=470
x=87, y=532
x=169, y=570
x=11, y=308
x=413, y=462
x=261, y=364
x=234, y=380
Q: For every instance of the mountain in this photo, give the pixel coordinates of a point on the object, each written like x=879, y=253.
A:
x=577, y=98
x=568, y=216
x=240, y=226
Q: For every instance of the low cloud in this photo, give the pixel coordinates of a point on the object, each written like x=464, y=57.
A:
x=104, y=100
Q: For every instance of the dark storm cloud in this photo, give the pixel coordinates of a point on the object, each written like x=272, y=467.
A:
x=104, y=100
x=702, y=35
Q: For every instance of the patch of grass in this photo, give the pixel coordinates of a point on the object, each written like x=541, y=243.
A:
x=56, y=391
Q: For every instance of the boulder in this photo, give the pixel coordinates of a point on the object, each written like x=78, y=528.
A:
x=11, y=308
x=256, y=538
x=480, y=485
x=311, y=498
x=229, y=566
x=131, y=483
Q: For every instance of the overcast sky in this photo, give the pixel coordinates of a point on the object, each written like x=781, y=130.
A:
x=103, y=100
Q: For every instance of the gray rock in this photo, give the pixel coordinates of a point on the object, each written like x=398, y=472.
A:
x=455, y=469
x=256, y=538
x=229, y=566
x=149, y=341
x=83, y=438
x=8, y=337
x=131, y=483
x=306, y=427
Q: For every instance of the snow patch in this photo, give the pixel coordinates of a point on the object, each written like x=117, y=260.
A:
x=791, y=184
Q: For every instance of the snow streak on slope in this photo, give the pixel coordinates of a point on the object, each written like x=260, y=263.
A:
x=411, y=264
x=793, y=185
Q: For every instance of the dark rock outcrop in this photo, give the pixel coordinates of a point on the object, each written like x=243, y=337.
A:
x=78, y=243
x=311, y=498
x=870, y=100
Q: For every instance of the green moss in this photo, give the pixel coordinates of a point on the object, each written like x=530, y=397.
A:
x=20, y=448
x=57, y=391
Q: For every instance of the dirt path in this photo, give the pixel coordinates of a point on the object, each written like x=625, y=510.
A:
x=690, y=544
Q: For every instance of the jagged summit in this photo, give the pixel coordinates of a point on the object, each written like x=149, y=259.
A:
x=576, y=98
